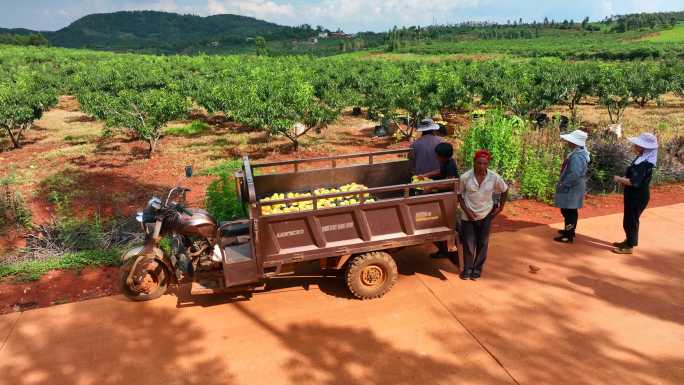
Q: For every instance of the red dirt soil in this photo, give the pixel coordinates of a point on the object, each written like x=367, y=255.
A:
x=68, y=286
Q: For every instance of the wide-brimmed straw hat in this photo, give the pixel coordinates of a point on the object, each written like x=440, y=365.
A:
x=577, y=137
x=646, y=140
x=427, y=125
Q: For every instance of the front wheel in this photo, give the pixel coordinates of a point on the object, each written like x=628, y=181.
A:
x=149, y=280
x=371, y=275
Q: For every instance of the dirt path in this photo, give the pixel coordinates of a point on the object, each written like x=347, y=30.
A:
x=586, y=317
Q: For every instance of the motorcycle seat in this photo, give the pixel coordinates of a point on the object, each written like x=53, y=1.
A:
x=234, y=230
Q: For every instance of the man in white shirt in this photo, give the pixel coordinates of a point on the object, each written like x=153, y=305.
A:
x=476, y=197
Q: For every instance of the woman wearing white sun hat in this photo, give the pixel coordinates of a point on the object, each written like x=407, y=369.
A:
x=636, y=181
x=572, y=185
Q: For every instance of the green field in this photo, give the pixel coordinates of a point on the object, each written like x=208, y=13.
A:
x=674, y=35
x=573, y=45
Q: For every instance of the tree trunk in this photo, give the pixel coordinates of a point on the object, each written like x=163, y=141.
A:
x=152, y=144
x=573, y=108
x=15, y=138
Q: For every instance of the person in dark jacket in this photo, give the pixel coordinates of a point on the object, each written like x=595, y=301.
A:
x=636, y=184
x=422, y=156
x=572, y=185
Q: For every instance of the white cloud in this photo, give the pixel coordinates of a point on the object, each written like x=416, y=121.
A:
x=351, y=15
x=261, y=9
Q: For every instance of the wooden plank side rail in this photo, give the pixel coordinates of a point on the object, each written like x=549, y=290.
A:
x=333, y=159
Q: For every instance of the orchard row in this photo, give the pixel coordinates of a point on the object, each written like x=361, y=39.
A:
x=290, y=95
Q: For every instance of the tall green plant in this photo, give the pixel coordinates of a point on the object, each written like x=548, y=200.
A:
x=221, y=197
x=502, y=136
x=541, y=163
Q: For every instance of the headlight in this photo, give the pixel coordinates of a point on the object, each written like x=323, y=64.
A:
x=154, y=203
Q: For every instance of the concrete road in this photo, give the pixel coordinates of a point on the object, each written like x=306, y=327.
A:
x=586, y=317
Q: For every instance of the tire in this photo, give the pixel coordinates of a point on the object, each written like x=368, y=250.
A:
x=371, y=275
x=159, y=276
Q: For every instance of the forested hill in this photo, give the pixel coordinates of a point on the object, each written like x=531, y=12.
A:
x=170, y=33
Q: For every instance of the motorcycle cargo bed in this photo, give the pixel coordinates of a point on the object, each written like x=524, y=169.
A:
x=397, y=218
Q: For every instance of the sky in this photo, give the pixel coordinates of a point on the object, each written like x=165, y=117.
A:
x=349, y=15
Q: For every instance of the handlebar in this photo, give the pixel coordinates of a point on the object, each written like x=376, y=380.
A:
x=182, y=190
x=184, y=210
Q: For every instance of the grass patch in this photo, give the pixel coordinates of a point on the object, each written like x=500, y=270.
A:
x=193, y=129
x=674, y=35
x=78, y=149
x=79, y=139
x=227, y=168
x=33, y=270
x=61, y=188
x=13, y=208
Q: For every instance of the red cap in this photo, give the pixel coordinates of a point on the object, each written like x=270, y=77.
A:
x=483, y=154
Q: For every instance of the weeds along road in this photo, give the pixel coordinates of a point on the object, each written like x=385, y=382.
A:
x=587, y=316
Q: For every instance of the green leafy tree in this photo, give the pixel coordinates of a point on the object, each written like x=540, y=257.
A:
x=418, y=96
x=144, y=113
x=23, y=99
x=522, y=88
x=278, y=98
x=286, y=105
x=260, y=44
x=613, y=90
x=649, y=81
x=579, y=82
x=381, y=89
x=453, y=92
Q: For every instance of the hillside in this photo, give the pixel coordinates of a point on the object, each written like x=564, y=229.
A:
x=161, y=32
x=16, y=31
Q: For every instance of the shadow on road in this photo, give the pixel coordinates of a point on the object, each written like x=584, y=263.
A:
x=158, y=347
x=336, y=355
x=309, y=276
x=588, y=316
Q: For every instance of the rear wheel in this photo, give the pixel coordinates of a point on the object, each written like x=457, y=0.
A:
x=371, y=275
x=149, y=281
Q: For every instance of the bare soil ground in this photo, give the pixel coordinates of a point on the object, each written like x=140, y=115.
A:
x=65, y=155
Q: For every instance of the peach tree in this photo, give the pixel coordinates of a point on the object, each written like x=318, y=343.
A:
x=24, y=96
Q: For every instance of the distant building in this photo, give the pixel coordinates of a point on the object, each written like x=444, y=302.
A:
x=340, y=35
x=323, y=35
x=313, y=40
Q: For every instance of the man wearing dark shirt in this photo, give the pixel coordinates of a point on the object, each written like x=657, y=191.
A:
x=447, y=170
x=447, y=165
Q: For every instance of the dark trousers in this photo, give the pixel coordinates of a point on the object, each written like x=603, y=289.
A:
x=475, y=240
x=570, y=216
x=634, y=206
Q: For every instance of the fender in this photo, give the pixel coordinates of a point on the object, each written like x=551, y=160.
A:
x=155, y=252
